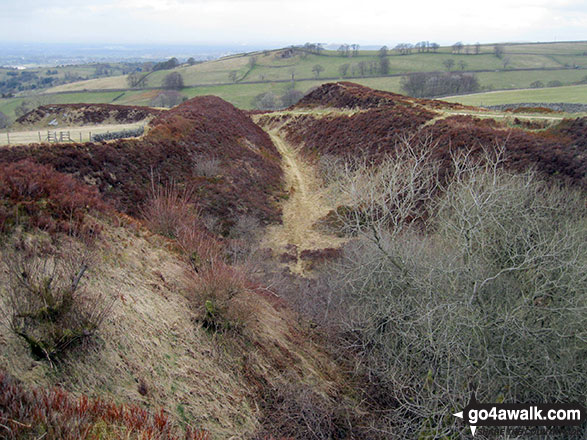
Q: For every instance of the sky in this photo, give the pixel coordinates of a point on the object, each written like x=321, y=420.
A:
x=273, y=22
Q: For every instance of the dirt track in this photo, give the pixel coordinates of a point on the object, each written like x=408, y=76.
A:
x=307, y=203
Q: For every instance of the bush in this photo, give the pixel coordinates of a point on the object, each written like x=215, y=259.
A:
x=46, y=305
x=266, y=101
x=218, y=294
x=33, y=195
x=491, y=299
x=55, y=414
x=536, y=85
x=168, y=208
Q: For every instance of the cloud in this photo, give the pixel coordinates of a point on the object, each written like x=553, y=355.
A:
x=258, y=21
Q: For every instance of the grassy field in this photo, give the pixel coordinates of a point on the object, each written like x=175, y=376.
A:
x=569, y=94
x=270, y=72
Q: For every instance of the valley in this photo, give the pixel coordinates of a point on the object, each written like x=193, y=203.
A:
x=343, y=268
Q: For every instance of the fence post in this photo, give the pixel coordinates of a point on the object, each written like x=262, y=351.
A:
x=80, y=137
x=8, y=136
x=39, y=135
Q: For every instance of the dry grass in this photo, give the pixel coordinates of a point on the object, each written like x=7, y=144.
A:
x=151, y=352
x=149, y=340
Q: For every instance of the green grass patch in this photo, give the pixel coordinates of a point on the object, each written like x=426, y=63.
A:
x=569, y=94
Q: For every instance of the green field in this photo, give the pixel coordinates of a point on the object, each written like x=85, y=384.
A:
x=569, y=94
x=271, y=71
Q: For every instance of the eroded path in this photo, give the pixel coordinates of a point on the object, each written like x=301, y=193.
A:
x=307, y=203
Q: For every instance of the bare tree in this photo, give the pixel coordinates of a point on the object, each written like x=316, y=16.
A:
x=173, y=81
x=449, y=63
x=343, y=69
x=457, y=47
x=137, y=79
x=384, y=65
x=317, y=69
x=232, y=75
x=499, y=50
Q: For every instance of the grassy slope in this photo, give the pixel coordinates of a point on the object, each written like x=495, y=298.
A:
x=571, y=94
x=214, y=75
x=151, y=338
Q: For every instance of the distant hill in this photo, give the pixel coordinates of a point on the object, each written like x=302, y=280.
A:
x=242, y=79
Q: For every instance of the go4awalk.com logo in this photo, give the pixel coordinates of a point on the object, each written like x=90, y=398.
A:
x=512, y=414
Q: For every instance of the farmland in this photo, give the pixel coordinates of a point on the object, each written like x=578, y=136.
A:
x=569, y=94
x=241, y=79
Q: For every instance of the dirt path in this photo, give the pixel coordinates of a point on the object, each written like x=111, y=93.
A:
x=307, y=203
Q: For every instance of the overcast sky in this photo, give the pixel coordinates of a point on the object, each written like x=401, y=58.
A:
x=291, y=22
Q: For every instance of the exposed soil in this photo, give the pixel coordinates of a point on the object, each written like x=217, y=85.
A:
x=296, y=239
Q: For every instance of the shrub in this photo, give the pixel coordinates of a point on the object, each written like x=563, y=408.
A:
x=168, y=208
x=491, y=300
x=55, y=414
x=33, y=195
x=218, y=294
x=46, y=304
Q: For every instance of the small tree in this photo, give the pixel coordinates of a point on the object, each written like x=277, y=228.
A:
x=382, y=52
x=457, y=47
x=384, y=65
x=232, y=75
x=449, y=63
x=317, y=69
x=498, y=50
x=462, y=65
x=191, y=61
x=136, y=79
x=173, y=81
x=343, y=69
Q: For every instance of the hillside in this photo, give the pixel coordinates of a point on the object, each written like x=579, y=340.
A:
x=242, y=79
x=204, y=142
x=346, y=268
x=381, y=118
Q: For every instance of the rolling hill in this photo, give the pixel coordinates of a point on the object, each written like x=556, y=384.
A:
x=329, y=270
x=240, y=79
